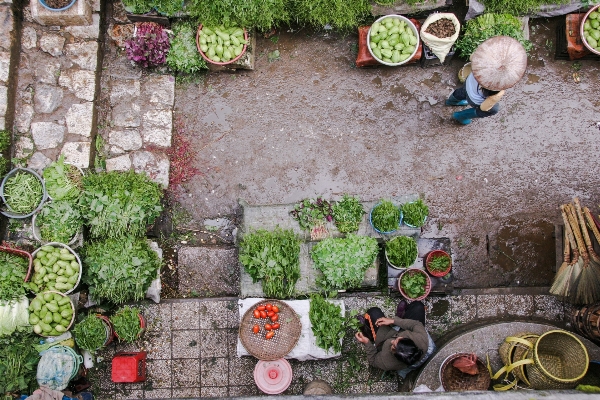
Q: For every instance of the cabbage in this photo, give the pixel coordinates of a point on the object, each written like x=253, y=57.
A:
x=14, y=314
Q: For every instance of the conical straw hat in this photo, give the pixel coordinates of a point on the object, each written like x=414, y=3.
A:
x=499, y=63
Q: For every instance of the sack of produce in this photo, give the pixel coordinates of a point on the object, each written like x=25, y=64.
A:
x=439, y=32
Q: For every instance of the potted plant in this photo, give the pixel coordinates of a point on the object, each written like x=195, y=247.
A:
x=347, y=214
x=415, y=213
x=63, y=181
x=385, y=217
x=312, y=215
x=128, y=324
x=344, y=261
x=93, y=332
x=57, y=5
x=401, y=252
x=57, y=221
x=414, y=284
x=438, y=263
x=23, y=191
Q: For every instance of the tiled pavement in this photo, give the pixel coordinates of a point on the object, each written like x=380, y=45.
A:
x=191, y=346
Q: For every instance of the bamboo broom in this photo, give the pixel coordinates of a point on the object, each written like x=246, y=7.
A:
x=564, y=280
x=592, y=284
x=560, y=285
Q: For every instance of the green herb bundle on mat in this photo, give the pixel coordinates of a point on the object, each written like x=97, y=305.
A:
x=90, y=333
x=327, y=323
x=115, y=204
x=119, y=270
x=344, y=261
x=13, y=270
x=478, y=30
x=23, y=192
x=342, y=15
x=262, y=15
x=401, y=251
x=126, y=323
x=183, y=55
x=272, y=257
x=347, y=214
x=59, y=221
x=518, y=7
x=63, y=181
x=415, y=213
x=18, y=363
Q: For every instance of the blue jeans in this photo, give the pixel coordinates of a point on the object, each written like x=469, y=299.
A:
x=461, y=94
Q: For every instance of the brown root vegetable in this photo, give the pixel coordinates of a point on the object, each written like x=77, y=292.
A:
x=441, y=28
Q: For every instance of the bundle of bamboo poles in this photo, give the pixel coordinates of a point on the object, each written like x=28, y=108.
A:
x=578, y=278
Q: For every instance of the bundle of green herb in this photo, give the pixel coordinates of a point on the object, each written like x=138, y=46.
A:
x=344, y=261
x=339, y=14
x=262, y=15
x=119, y=270
x=126, y=323
x=63, y=181
x=327, y=323
x=18, y=363
x=183, y=55
x=116, y=204
x=401, y=251
x=59, y=221
x=347, y=214
x=415, y=213
x=478, y=30
x=90, y=334
x=23, y=192
x=167, y=7
x=385, y=216
x=517, y=8
x=413, y=283
x=439, y=263
x=273, y=258
x=138, y=6
x=312, y=215
x=4, y=145
x=13, y=270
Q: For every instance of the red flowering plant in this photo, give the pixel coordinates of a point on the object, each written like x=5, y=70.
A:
x=150, y=45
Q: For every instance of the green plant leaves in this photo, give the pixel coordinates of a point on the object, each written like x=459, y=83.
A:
x=126, y=323
x=347, y=214
x=401, y=251
x=183, y=55
x=413, y=283
x=414, y=213
x=327, y=323
x=385, y=216
x=90, y=334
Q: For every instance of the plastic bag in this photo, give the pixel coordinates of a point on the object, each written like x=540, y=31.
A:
x=440, y=46
x=57, y=366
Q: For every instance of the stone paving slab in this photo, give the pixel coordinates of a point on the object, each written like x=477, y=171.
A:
x=208, y=271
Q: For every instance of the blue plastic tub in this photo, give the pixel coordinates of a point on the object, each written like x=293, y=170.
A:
x=377, y=230
x=43, y=3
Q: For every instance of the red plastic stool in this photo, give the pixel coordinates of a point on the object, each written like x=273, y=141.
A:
x=129, y=367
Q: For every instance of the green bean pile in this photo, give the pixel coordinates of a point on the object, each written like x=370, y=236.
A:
x=23, y=192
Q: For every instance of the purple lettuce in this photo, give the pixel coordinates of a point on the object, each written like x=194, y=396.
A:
x=150, y=46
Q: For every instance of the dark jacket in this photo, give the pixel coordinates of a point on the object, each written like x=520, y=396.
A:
x=384, y=358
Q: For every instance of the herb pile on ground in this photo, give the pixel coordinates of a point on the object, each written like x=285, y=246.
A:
x=385, y=216
x=126, y=323
x=119, y=270
x=116, y=204
x=4, y=146
x=59, y=221
x=344, y=261
x=273, y=258
x=517, y=8
x=63, y=181
x=415, y=213
x=312, y=214
x=18, y=362
x=90, y=334
x=413, y=283
x=342, y=15
x=327, y=323
x=347, y=214
x=439, y=263
x=23, y=192
x=401, y=251
x=183, y=55
x=13, y=270
x=262, y=15
x=478, y=30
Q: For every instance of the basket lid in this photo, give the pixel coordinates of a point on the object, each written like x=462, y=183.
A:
x=273, y=377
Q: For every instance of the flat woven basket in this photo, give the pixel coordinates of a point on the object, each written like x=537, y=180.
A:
x=285, y=338
x=454, y=380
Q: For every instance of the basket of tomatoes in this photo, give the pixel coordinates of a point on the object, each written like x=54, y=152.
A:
x=270, y=329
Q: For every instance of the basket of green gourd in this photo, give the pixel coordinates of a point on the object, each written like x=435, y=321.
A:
x=221, y=46
x=56, y=267
x=590, y=29
x=51, y=313
x=393, y=40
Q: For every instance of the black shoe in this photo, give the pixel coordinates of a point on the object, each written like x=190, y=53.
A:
x=401, y=309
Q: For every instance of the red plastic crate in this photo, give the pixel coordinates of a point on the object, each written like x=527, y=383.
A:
x=129, y=367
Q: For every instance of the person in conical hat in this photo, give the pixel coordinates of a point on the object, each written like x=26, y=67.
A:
x=496, y=65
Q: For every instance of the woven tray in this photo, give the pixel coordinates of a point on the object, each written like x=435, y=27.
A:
x=453, y=380
x=285, y=338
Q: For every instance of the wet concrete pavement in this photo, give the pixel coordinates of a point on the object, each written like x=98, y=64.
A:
x=310, y=123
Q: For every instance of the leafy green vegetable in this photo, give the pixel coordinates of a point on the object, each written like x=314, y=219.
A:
x=183, y=55
x=272, y=257
x=339, y=14
x=262, y=15
x=90, y=334
x=401, y=251
x=13, y=270
x=168, y=7
x=413, y=283
x=385, y=216
x=63, y=181
x=327, y=323
x=478, y=30
x=414, y=213
x=23, y=192
x=126, y=323
x=347, y=214
x=520, y=7
x=116, y=204
x=344, y=261
x=4, y=140
x=18, y=362
x=311, y=213
x=137, y=6
x=439, y=263
x=59, y=221
x=119, y=270
x=13, y=314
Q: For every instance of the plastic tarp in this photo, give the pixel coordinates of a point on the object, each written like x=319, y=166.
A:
x=550, y=10
x=306, y=348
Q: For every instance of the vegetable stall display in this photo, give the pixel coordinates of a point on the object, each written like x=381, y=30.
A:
x=438, y=263
x=414, y=214
x=56, y=267
x=63, y=181
x=128, y=324
x=344, y=261
x=221, y=45
x=327, y=323
x=591, y=30
x=401, y=251
x=347, y=214
x=91, y=333
x=51, y=313
x=385, y=217
x=270, y=313
x=183, y=55
x=272, y=257
x=58, y=221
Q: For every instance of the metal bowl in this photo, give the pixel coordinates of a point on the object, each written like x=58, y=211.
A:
x=585, y=17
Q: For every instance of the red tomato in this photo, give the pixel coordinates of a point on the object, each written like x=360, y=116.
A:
x=275, y=309
x=256, y=314
x=256, y=328
x=270, y=313
x=261, y=308
x=275, y=326
x=274, y=317
x=269, y=307
x=263, y=314
x=268, y=327
x=269, y=335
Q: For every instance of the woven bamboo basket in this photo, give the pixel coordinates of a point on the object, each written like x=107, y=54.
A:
x=454, y=380
x=512, y=351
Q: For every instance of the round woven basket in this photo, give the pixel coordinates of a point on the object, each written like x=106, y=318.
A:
x=512, y=351
x=285, y=338
x=454, y=380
